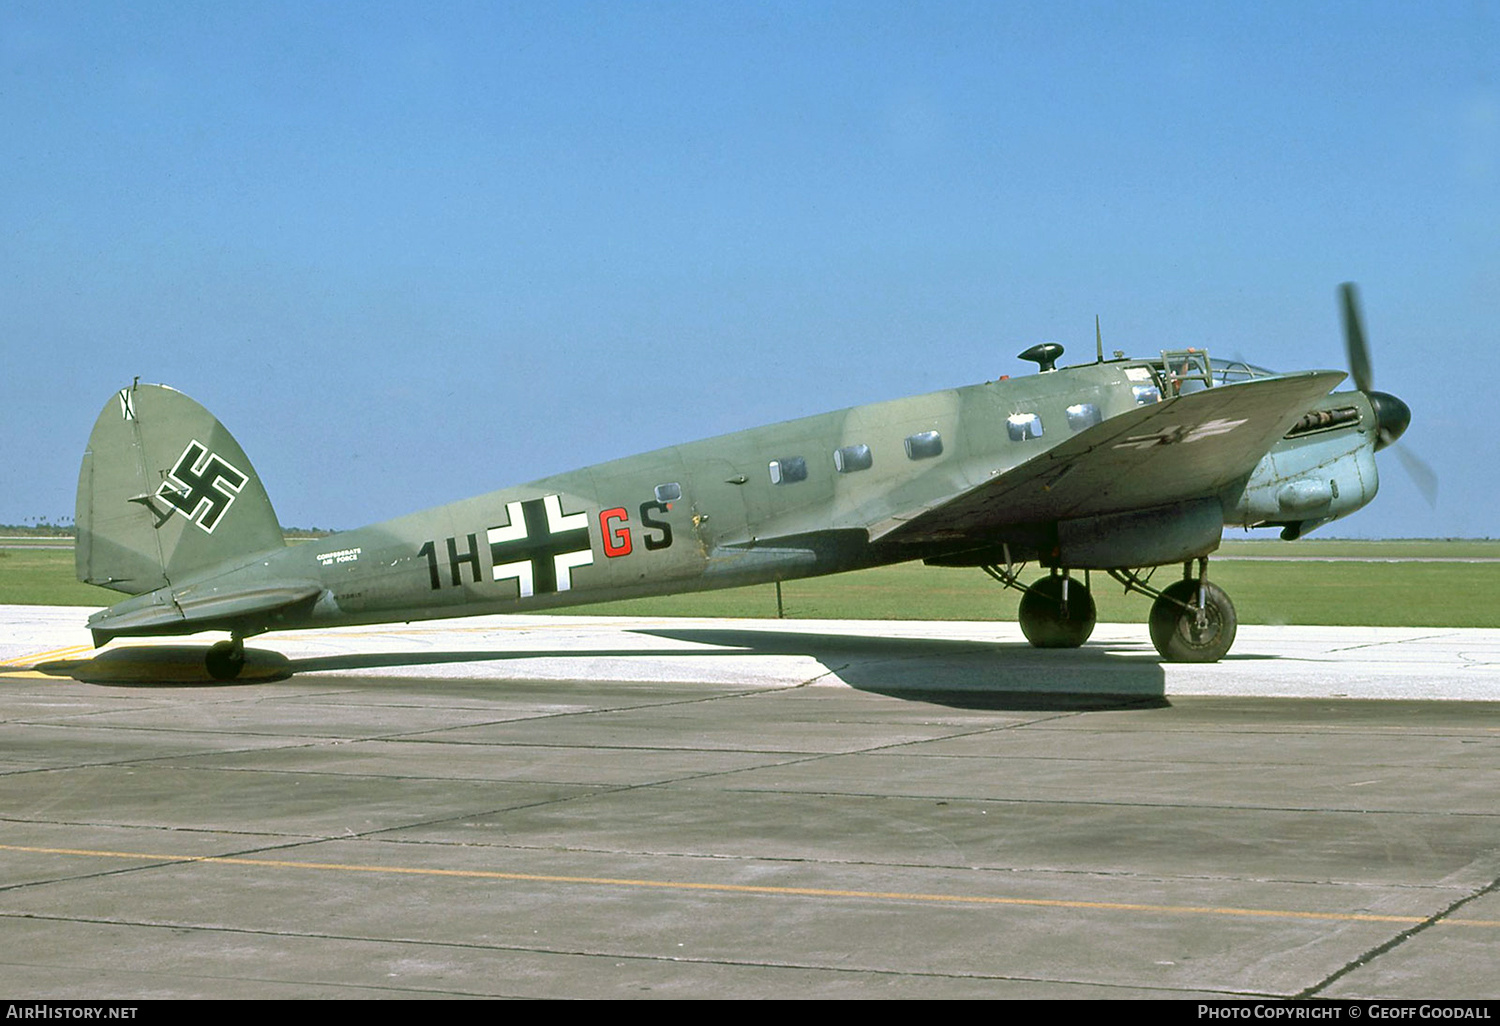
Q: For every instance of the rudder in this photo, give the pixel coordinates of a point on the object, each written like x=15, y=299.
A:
x=165, y=491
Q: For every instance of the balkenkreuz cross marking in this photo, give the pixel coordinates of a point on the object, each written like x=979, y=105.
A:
x=540, y=545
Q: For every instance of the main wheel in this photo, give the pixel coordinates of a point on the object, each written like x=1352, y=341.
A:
x=225, y=660
x=1185, y=633
x=1048, y=623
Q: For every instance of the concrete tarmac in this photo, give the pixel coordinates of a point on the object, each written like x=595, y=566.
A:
x=617, y=807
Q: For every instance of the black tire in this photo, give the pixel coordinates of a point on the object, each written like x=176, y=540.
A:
x=1042, y=619
x=224, y=661
x=1176, y=631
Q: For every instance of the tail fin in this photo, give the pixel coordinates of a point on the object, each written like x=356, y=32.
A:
x=165, y=491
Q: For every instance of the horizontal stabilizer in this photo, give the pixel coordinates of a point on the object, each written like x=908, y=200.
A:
x=202, y=607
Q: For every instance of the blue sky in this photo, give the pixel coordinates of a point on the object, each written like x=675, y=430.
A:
x=409, y=253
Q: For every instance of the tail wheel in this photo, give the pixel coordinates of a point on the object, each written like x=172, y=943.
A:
x=225, y=660
x=1185, y=629
x=1049, y=621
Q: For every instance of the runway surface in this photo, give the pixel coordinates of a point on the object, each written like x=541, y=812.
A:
x=614, y=807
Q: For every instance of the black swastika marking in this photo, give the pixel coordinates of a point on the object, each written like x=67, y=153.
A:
x=202, y=486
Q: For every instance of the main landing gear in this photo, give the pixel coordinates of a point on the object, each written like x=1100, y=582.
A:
x=1192, y=620
x=1057, y=612
x=226, y=659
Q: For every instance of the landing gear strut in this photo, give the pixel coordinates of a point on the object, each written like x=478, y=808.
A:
x=1192, y=621
x=1057, y=612
x=226, y=659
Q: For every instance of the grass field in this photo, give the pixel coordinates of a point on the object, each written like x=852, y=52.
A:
x=1334, y=582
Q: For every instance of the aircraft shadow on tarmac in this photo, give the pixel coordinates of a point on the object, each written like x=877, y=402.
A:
x=969, y=674
x=972, y=674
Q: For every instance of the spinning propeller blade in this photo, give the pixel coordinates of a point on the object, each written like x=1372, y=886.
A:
x=1392, y=416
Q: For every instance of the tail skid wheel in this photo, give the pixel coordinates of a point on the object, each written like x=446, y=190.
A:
x=225, y=660
x=1050, y=622
x=1187, y=631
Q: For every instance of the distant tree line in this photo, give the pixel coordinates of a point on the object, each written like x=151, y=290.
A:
x=45, y=529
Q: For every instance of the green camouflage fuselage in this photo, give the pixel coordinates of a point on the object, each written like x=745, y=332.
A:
x=818, y=495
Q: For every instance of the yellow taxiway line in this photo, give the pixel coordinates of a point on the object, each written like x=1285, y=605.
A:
x=25, y=665
x=726, y=888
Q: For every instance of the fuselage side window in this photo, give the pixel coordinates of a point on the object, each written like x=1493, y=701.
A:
x=1023, y=426
x=924, y=445
x=670, y=492
x=851, y=458
x=788, y=470
x=1082, y=416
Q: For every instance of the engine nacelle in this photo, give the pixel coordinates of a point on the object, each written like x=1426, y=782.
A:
x=1309, y=480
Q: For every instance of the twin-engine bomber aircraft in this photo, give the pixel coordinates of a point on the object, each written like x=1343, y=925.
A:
x=1115, y=465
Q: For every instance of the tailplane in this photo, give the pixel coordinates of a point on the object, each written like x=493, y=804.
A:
x=165, y=492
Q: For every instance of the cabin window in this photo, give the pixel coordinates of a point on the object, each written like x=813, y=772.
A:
x=924, y=445
x=1145, y=395
x=1082, y=416
x=851, y=458
x=788, y=470
x=1023, y=426
x=668, y=492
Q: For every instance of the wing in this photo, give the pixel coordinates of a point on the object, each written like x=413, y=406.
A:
x=1188, y=447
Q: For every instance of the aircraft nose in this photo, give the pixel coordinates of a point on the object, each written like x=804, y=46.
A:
x=1392, y=417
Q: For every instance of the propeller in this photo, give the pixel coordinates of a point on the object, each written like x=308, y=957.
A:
x=1357, y=348
x=1392, y=416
